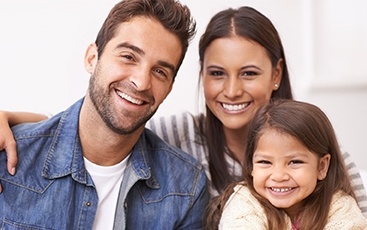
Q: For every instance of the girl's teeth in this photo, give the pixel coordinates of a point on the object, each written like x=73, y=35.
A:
x=281, y=189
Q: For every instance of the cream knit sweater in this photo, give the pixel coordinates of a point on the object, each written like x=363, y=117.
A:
x=243, y=211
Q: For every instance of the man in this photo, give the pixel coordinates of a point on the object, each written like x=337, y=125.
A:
x=76, y=166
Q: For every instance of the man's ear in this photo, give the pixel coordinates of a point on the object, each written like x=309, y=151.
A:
x=323, y=167
x=91, y=58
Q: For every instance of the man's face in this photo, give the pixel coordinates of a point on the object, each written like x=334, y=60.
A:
x=134, y=74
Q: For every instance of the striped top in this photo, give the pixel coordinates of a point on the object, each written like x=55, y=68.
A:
x=181, y=130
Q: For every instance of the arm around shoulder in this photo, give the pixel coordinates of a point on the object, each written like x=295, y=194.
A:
x=14, y=118
x=7, y=142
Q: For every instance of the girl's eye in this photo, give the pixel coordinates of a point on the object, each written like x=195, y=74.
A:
x=296, y=162
x=263, y=162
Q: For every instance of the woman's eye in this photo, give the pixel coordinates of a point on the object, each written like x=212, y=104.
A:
x=216, y=73
x=250, y=73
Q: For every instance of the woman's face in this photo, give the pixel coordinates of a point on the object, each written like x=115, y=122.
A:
x=238, y=78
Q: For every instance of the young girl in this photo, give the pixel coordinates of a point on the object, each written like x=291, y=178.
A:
x=294, y=175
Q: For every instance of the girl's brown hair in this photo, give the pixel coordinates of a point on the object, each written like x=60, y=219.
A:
x=312, y=128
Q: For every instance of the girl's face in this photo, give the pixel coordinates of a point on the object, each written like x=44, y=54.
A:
x=285, y=172
x=237, y=77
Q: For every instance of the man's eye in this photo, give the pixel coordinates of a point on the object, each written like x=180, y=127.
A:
x=163, y=75
x=160, y=72
x=128, y=57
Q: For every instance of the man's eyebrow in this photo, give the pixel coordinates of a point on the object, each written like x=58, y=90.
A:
x=130, y=46
x=141, y=52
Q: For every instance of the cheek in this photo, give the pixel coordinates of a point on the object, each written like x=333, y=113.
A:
x=160, y=91
x=211, y=89
x=261, y=92
x=258, y=178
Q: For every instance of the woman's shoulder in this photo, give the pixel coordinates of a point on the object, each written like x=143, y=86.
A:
x=179, y=119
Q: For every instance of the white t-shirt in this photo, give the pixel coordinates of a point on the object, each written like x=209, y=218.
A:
x=107, y=180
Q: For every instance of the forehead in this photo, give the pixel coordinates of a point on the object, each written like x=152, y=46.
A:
x=151, y=37
x=236, y=49
x=277, y=143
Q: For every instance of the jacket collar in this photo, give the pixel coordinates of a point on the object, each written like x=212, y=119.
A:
x=142, y=162
x=65, y=154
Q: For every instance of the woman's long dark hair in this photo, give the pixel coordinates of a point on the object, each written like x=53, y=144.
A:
x=250, y=24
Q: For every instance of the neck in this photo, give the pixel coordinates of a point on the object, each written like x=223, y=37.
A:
x=100, y=144
x=236, y=142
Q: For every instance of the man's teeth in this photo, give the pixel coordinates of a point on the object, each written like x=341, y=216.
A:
x=128, y=98
x=234, y=107
x=281, y=189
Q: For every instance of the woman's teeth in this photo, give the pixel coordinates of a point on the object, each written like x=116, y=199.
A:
x=234, y=107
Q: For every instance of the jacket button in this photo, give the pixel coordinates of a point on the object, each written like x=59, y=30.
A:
x=88, y=204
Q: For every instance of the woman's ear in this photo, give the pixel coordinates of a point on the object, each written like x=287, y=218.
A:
x=323, y=167
x=277, y=74
x=91, y=58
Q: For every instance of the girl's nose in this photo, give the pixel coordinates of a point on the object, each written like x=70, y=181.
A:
x=279, y=174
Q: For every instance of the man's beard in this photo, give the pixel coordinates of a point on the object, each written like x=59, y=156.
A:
x=102, y=103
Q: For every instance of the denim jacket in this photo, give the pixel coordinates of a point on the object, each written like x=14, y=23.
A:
x=162, y=188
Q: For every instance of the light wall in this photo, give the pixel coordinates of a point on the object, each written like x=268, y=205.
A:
x=42, y=45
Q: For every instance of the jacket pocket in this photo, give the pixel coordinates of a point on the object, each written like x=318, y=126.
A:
x=12, y=225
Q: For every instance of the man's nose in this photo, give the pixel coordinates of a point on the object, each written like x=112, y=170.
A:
x=141, y=78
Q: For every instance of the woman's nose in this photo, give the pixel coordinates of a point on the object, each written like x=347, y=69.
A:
x=233, y=87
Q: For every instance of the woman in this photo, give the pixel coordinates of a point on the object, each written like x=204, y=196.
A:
x=242, y=66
